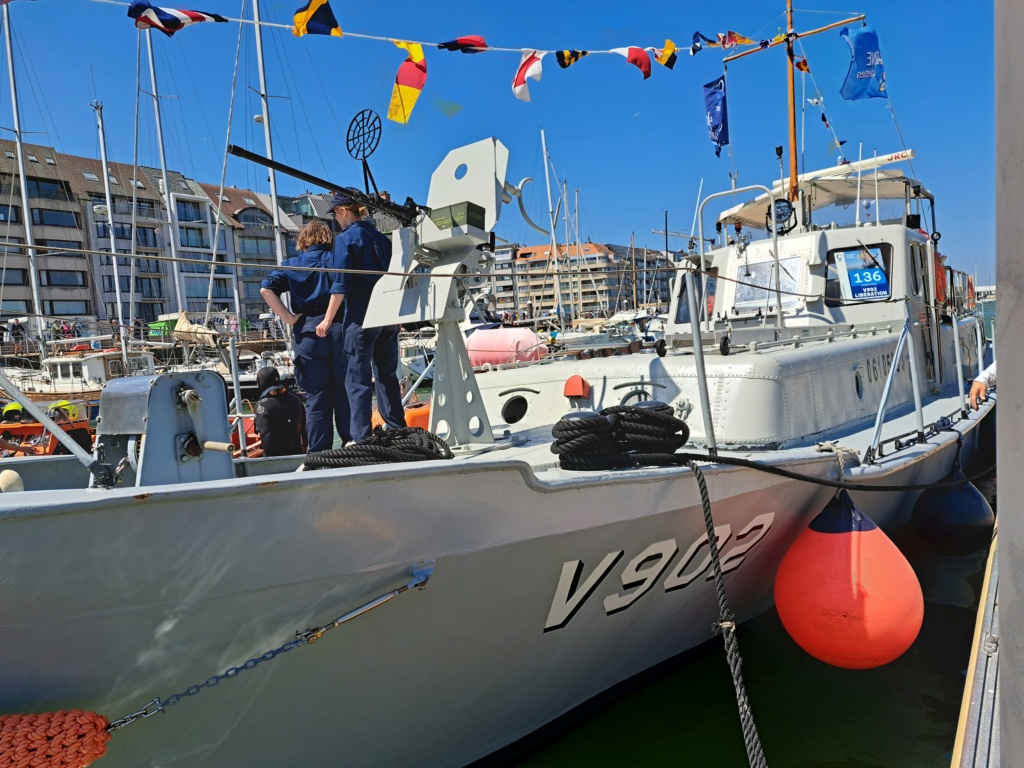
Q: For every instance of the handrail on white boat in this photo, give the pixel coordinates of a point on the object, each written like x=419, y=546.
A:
x=779, y=323
x=908, y=338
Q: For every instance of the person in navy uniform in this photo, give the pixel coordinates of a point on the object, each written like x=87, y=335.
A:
x=361, y=247
x=320, y=359
x=280, y=416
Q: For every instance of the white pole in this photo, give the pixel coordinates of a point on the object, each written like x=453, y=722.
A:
x=878, y=218
x=860, y=159
x=172, y=229
x=25, y=211
x=554, y=237
x=98, y=106
x=264, y=100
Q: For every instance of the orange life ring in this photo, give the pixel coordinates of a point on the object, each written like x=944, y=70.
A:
x=940, y=280
x=971, y=303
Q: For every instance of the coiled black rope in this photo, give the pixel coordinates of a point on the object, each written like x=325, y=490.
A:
x=383, y=446
x=620, y=436
x=649, y=435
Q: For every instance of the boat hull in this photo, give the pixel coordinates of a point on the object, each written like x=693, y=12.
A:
x=548, y=589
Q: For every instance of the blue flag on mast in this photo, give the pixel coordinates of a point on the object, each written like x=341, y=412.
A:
x=866, y=77
x=717, y=114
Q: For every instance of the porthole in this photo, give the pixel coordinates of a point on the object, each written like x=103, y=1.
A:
x=514, y=409
x=858, y=383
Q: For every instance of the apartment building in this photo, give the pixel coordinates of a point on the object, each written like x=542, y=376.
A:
x=592, y=279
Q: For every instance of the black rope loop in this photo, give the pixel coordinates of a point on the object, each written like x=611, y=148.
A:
x=383, y=446
x=620, y=436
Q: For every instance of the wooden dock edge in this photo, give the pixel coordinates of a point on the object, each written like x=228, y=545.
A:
x=979, y=713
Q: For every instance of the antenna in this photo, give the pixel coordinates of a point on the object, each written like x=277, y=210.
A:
x=361, y=140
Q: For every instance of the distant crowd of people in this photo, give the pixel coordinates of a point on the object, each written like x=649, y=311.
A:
x=339, y=363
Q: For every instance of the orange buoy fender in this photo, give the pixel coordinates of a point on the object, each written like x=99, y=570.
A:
x=845, y=593
x=71, y=739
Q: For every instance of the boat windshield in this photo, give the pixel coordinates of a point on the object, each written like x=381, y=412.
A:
x=755, y=284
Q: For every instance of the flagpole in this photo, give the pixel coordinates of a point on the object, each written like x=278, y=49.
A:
x=791, y=90
x=264, y=101
x=172, y=229
x=25, y=211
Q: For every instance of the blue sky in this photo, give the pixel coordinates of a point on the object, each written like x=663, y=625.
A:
x=634, y=148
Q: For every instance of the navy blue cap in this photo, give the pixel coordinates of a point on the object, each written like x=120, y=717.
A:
x=343, y=197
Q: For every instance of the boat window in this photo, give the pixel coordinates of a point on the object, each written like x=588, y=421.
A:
x=76, y=370
x=514, y=409
x=915, y=266
x=64, y=371
x=755, y=284
x=116, y=368
x=858, y=274
x=683, y=306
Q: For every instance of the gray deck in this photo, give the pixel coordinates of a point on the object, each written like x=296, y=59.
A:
x=977, y=738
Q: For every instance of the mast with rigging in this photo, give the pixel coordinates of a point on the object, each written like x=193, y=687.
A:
x=26, y=211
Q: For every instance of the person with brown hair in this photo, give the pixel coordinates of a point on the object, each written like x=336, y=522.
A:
x=320, y=360
x=360, y=247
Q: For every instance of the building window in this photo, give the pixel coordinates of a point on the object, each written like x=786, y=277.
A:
x=146, y=209
x=197, y=288
x=189, y=210
x=66, y=307
x=10, y=155
x=10, y=214
x=136, y=183
x=62, y=278
x=50, y=161
x=14, y=306
x=113, y=180
x=256, y=246
x=44, y=216
x=191, y=237
x=146, y=237
x=48, y=190
x=255, y=216
x=10, y=276
x=90, y=176
x=183, y=185
x=250, y=201
x=121, y=231
x=70, y=244
x=32, y=158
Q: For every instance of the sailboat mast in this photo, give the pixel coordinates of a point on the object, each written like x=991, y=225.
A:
x=172, y=229
x=554, y=237
x=791, y=87
x=98, y=106
x=26, y=212
x=265, y=102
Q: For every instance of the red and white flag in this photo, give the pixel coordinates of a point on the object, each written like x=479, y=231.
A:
x=638, y=57
x=529, y=66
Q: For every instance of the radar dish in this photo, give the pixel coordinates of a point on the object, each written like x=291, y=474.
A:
x=363, y=134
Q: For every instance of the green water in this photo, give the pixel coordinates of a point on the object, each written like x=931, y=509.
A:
x=808, y=714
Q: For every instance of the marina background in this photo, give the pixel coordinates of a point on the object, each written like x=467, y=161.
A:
x=635, y=148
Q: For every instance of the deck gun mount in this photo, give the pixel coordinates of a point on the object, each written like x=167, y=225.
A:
x=165, y=429
x=431, y=268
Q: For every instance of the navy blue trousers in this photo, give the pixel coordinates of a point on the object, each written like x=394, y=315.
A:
x=385, y=377
x=320, y=369
x=361, y=346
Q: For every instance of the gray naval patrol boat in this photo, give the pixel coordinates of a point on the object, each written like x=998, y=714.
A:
x=159, y=575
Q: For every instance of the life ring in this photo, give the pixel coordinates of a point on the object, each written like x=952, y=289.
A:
x=971, y=303
x=940, y=280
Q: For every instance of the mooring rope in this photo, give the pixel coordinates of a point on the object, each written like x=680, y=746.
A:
x=383, y=446
x=610, y=440
x=727, y=624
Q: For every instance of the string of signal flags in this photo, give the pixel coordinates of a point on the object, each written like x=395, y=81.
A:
x=865, y=78
x=316, y=17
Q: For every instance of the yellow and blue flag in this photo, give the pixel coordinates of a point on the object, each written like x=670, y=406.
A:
x=316, y=18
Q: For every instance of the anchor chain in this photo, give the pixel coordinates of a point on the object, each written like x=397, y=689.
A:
x=420, y=573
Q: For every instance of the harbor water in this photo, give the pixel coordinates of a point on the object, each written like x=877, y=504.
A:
x=808, y=714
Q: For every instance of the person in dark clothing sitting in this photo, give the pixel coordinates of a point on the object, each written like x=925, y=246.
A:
x=280, y=416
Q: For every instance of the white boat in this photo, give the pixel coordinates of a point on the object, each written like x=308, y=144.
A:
x=179, y=588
